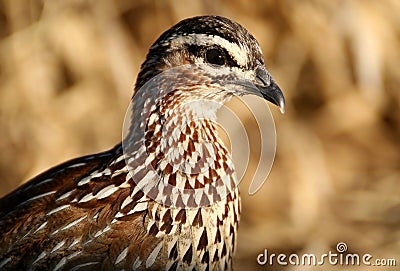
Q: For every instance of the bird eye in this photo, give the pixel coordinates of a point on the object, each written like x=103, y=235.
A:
x=215, y=56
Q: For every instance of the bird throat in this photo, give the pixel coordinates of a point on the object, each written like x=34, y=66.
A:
x=185, y=163
x=176, y=158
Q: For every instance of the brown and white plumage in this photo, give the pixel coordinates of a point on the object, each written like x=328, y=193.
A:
x=133, y=207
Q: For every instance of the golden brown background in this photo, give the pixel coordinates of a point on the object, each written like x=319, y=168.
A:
x=67, y=70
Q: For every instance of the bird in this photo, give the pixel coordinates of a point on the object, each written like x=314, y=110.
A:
x=166, y=197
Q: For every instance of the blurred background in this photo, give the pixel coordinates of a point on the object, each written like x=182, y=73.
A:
x=67, y=72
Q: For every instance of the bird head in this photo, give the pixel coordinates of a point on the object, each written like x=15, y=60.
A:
x=221, y=55
x=189, y=72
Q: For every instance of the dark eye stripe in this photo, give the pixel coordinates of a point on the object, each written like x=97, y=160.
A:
x=199, y=51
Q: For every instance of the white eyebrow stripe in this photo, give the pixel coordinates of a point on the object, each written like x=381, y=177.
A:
x=236, y=51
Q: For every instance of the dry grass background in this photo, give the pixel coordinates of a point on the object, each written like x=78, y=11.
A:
x=67, y=70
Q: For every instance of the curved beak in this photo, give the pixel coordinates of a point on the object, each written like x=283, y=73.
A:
x=268, y=88
x=261, y=84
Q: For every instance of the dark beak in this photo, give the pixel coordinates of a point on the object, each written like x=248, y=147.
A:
x=268, y=88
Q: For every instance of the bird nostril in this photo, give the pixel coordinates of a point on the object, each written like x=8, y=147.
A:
x=263, y=77
x=263, y=81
